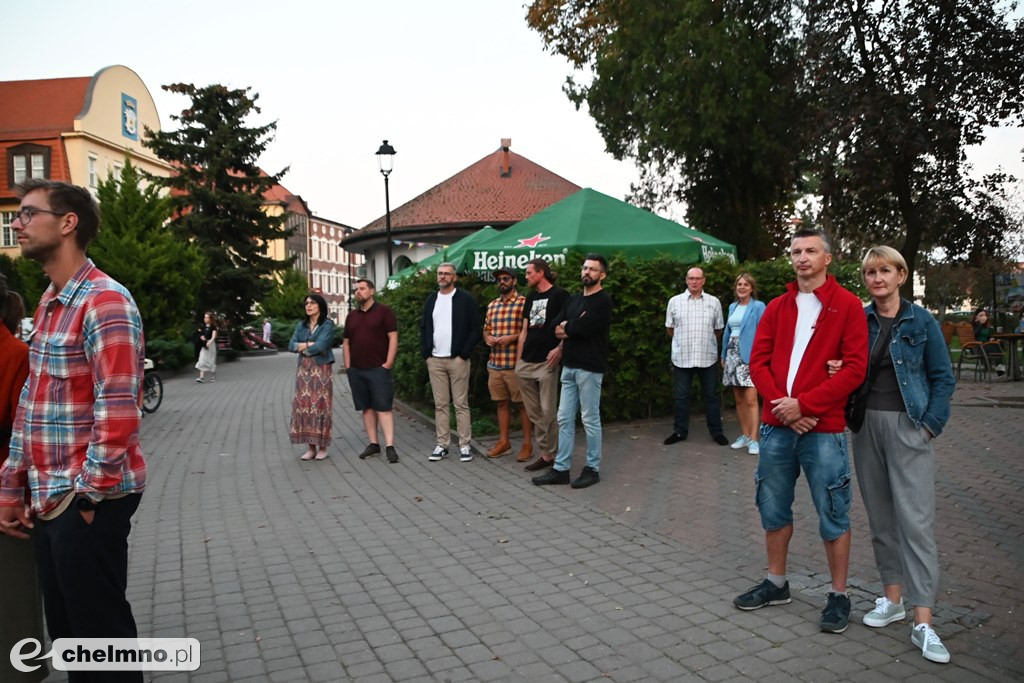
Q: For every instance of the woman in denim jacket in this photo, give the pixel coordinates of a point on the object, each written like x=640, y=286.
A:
x=911, y=381
x=314, y=388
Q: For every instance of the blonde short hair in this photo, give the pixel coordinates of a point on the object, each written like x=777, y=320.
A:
x=885, y=255
x=750, y=281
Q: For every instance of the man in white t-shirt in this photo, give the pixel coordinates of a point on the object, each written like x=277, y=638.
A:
x=694, y=322
x=449, y=329
x=803, y=423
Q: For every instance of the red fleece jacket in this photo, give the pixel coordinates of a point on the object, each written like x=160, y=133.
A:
x=841, y=332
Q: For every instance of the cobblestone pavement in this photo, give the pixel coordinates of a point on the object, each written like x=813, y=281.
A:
x=361, y=570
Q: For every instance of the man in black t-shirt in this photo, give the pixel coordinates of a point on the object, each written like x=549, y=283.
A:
x=539, y=355
x=583, y=327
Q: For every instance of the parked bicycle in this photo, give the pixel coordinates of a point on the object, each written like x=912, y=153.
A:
x=152, y=388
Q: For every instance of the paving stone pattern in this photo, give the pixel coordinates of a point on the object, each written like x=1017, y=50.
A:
x=361, y=570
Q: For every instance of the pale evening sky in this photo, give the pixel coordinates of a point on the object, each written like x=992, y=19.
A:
x=442, y=81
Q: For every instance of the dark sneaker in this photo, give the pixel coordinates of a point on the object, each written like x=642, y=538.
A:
x=551, y=477
x=372, y=449
x=836, y=615
x=392, y=454
x=539, y=464
x=721, y=440
x=588, y=477
x=764, y=594
x=674, y=438
x=439, y=453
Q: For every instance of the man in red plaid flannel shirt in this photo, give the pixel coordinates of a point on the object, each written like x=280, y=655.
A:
x=501, y=333
x=77, y=426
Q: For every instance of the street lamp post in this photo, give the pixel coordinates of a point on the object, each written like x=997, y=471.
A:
x=386, y=162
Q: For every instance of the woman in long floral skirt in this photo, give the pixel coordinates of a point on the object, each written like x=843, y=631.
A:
x=314, y=387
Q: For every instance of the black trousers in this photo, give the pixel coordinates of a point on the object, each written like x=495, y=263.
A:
x=83, y=573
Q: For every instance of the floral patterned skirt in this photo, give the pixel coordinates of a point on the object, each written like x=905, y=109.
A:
x=737, y=373
x=313, y=404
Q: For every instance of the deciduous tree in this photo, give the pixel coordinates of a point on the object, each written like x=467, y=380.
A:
x=705, y=96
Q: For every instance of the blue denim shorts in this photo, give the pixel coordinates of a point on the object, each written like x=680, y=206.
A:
x=824, y=460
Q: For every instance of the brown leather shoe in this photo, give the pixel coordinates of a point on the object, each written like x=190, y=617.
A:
x=525, y=453
x=539, y=464
x=500, y=449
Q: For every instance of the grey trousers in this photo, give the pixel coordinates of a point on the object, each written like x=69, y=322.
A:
x=896, y=475
x=539, y=387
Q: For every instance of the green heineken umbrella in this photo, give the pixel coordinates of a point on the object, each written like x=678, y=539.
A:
x=454, y=252
x=590, y=221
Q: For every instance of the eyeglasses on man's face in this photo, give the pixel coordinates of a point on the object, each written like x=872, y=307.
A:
x=25, y=215
x=504, y=278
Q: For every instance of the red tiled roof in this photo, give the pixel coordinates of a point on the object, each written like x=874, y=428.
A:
x=45, y=105
x=480, y=194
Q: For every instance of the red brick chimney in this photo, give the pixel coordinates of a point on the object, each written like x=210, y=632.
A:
x=506, y=169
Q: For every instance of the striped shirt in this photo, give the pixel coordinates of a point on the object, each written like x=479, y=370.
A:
x=504, y=318
x=694, y=321
x=77, y=425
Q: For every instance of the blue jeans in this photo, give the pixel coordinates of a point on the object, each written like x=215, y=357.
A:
x=581, y=390
x=823, y=458
x=708, y=378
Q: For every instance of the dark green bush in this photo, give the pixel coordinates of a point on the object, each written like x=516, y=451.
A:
x=638, y=383
x=170, y=353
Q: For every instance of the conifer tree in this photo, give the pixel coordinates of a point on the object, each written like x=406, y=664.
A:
x=136, y=247
x=217, y=195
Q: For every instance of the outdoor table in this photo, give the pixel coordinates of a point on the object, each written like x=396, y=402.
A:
x=1011, y=340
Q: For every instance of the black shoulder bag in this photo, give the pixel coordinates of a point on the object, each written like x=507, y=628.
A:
x=857, y=402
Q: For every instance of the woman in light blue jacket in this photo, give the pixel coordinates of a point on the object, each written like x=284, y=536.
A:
x=314, y=388
x=744, y=315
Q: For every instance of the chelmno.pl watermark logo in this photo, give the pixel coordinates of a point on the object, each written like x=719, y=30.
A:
x=109, y=654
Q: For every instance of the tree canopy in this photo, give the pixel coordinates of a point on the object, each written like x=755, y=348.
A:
x=284, y=302
x=217, y=194
x=740, y=107
x=136, y=247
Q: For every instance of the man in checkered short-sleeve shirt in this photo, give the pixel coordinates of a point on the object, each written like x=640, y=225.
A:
x=502, y=326
x=694, y=322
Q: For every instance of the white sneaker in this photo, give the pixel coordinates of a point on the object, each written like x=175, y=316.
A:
x=465, y=455
x=885, y=612
x=439, y=453
x=739, y=443
x=754, y=448
x=932, y=648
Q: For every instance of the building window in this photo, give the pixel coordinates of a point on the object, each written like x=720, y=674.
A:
x=27, y=161
x=93, y=176
x=7, y=238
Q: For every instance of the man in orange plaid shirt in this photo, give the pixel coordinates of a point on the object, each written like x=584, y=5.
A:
x=501, y=332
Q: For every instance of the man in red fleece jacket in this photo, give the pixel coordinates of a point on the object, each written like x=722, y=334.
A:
x=803, y=422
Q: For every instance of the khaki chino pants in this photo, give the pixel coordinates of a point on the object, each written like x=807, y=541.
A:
x=449, y=382
x=539, y=385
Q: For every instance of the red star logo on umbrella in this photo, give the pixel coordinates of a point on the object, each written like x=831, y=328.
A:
x=533, y=241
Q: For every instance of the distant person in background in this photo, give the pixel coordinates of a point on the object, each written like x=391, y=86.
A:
x=370, y=346
x=983, y=332
x=207, y=362
x=502, y=325
x=314, y=386
x=20, y=601
x=266, y=330
x=744, y=315
x=449, y=329
x=694, y=323
x=540, y=355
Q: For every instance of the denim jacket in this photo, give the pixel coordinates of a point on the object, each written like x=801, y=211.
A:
x=321, y=337
x=921, y=361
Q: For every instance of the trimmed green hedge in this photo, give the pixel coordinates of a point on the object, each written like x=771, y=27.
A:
x=639, y=383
